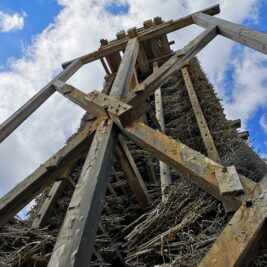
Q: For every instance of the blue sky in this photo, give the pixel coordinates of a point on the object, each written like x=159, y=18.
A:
x=39, y=14
x=78, y=25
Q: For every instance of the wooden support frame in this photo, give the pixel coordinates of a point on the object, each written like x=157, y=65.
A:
x=80, y=224
x=8, y=126
x=201, y=121
x=54, y=194
x=154, y=32
x=198, y=168
x=165, y=177
x=240, y=239
x=43, y=176
x=74, y=245
x=132, y=173
x=154, y=81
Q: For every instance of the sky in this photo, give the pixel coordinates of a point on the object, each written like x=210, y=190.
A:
x=37, y=36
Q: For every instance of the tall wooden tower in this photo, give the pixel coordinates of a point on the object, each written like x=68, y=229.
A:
x=155, y=176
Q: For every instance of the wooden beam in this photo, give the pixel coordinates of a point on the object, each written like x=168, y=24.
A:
x=195, y=166
x=132, y=173
x=34, y=184
x=228, y=181
x=142, y=60
x=9, y=125
x=243, y=35
x=163, y=39
x=244, y=135
x=165, y=177
x=113, y=59
x=240, y=239
x=54, y=194
x=154, y=81
x=75, y=242
x=235, y=123
x=148, y=162
x=200, y=118
x=145, y=36
x=97, y=104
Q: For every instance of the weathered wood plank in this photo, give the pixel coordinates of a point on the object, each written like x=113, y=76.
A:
x=34, y=184
x=198, y=168
x=54, y=194
x=201, y=121
x=228, y=181
x=145, y=36
x=132, y=173
x=9, y=125
x=165, y=177
x=243, y=35
x=74, y=245
x=154, y=81
x=240, y=239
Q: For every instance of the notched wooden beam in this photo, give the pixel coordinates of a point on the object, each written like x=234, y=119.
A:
x=228, y=181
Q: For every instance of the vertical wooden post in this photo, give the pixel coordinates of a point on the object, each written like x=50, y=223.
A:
x=165, y=176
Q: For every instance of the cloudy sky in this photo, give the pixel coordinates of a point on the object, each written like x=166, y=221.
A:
x=37, y=36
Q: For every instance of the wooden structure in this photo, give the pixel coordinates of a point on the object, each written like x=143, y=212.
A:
x=118, y=112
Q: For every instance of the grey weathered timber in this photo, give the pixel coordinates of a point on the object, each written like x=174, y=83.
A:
x=8, y=126
x=241, y=237
x=228, y=181
x=165, y=177
x=154, y=81
x=154, y=32
x=243, y=35
x=132, y=173
x=54, y=194
x=201, y=121
x=195, y=166
x=35, y=183
x=97, y=104
x=75, y=242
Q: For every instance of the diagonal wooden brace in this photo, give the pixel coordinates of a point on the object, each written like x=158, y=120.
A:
x=241, y=237
x=195, y=166
x=100, y=104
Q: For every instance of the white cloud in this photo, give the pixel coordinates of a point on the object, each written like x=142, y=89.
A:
x=11, y=22
x=76, y=31
x=263, y=124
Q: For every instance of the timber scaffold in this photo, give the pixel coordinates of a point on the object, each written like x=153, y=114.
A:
x=118, y=114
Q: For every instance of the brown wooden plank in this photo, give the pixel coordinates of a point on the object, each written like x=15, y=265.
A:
x=195, y=166
x=145, y=36
x=243, y=35
x=9, y=125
